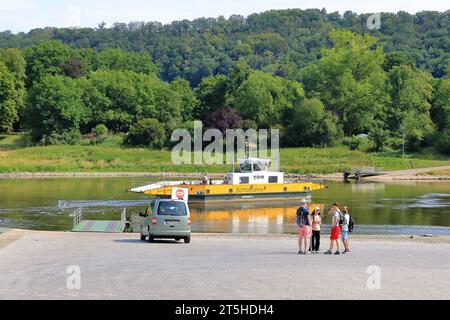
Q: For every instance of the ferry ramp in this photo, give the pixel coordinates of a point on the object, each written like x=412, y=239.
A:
x=99, y=226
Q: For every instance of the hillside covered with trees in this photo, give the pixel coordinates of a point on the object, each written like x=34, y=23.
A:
x=321, y=78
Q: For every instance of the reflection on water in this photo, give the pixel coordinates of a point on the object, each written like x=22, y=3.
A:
x=429, y=200
x=259, y=218
x=377, y=208
x=367, y=187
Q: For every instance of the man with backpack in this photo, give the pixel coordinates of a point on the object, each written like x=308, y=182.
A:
x=304, y=225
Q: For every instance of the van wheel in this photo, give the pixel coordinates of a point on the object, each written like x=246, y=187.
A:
x=151, y=239
x=187, y=240
x=143, y=237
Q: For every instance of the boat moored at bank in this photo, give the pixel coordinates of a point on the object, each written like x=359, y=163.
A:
x=254, y=181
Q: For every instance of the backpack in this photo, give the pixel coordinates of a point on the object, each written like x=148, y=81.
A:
x=342, y=220
x=351, y=224
x=302, y=219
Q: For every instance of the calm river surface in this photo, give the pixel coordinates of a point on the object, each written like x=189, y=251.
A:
x=378, y=208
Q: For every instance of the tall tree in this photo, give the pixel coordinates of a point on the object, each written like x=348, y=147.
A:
x=264, y=98
x=8, y=97
x=212, y=94
x=45, y=58
x=312, y=126
x=350, y=80
x=222, y=119
x=409, y=113
x=441, y=105
x=188, y=98
x=147, y=133
x=74, y=68
x=15, y=63
x=124, y=97
x=441, y=115
x=56, y=110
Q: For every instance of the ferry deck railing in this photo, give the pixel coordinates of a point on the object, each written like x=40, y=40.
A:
x=139, y=184
x=289, y=178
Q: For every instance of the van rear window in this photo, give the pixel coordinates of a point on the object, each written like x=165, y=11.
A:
x=172, y=209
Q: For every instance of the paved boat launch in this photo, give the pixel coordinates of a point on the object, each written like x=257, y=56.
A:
x=35, y=265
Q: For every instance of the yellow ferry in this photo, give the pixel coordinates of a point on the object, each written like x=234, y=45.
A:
x=253, y=182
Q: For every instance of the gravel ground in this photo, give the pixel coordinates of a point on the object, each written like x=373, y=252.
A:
x=33, y=265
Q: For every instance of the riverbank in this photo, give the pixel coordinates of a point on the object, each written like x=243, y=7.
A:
x=432, y=174
x=420, y=174
x=44, y=175
x=115, y=266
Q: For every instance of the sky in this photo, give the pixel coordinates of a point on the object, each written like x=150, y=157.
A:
x=24, y=15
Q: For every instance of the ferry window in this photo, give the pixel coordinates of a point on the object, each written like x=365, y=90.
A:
x=273, y=179
x=244, y=180
x=256, y=167
x=259, y=166
x=246, y=167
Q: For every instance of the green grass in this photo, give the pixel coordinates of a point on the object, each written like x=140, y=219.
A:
x=327, y=160
x=111, y=158
x=11, y=142
x=91, y=159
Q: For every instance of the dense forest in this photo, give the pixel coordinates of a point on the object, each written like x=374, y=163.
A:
x=321, y=78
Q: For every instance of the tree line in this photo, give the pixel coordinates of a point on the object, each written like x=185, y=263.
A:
x=281, y=42
x=356, y=92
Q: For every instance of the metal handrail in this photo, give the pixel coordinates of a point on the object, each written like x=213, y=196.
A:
x=77, y=216
x=296, y=178
x=123, y=217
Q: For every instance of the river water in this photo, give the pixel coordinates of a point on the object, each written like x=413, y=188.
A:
x=378, y=208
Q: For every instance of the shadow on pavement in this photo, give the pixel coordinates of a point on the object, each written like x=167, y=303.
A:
x=146, y=242
x=282, y=253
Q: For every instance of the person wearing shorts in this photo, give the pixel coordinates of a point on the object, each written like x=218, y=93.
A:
x=304, y=227
x=335, y=228
x=344, y=232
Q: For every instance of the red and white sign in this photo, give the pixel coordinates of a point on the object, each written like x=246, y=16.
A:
x=180, y=194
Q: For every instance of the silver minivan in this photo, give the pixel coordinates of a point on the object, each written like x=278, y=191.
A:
x=166, y=219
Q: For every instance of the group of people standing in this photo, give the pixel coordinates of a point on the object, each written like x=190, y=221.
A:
x=310, y=228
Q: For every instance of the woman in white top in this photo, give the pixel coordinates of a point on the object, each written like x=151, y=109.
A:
x=316, y=223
